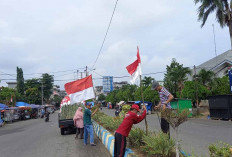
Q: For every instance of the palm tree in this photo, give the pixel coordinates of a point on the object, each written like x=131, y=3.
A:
x=223, y=10
x=175, y=77
x=147, y=81
x=205, y=77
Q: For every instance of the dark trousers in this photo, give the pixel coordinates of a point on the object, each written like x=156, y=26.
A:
x=119, y=145
x=80, y=131
x=164, y=126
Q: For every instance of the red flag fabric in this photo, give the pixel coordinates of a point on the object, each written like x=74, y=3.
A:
x=80, y=90
x=134, y=69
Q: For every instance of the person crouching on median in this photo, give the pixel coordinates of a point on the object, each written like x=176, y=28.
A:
x=78, y=122
x=124, y=128
x=88, y=126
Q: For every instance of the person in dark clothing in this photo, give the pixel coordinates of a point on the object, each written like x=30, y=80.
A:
x=124, y=128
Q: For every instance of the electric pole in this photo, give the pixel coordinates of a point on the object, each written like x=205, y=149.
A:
x=42, y=91
x=86, y=73
x=196, y=88
x=81, y=75
x=77, y=74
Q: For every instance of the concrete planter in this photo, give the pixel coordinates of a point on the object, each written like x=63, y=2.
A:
x=108, y=139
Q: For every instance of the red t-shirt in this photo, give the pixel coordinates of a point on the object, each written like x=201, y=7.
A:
x=130, y=119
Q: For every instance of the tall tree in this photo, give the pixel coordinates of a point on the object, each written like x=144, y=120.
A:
x=205, y=77
x=223, y=9
x=20, y=81
x=47, y=85
x=175, y=76
x=147, y=81
x=33, y=91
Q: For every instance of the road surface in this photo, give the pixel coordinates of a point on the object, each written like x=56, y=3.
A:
x=36, y=138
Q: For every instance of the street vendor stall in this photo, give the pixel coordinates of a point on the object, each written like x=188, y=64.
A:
x=15, y=112
x=24, y=113
x=34, y=111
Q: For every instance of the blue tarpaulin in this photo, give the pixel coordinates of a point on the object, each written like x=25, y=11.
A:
x=18, y=104
x=3, y=107
x=148, y=104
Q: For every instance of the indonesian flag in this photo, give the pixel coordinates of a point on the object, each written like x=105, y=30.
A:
x=80, y=90
x=134, y=69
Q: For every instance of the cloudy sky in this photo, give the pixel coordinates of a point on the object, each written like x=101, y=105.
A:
x=60, y=36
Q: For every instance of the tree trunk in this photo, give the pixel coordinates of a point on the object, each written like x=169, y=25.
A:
x=177, y=143
x=230, y=29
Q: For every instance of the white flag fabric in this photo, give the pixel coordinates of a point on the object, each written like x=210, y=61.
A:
x=80, y=90
x=134, y=69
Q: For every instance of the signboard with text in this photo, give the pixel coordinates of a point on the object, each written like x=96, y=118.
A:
x=230, y=78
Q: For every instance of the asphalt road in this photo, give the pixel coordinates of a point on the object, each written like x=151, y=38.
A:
x=36, y=138
x=195, y=135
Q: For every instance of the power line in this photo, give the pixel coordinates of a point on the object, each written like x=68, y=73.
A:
x=105, y=34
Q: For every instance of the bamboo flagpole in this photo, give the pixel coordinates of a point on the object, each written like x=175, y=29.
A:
x=134, y=69
x=141, y=87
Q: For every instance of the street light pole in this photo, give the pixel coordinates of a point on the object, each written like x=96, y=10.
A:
x=42, y=92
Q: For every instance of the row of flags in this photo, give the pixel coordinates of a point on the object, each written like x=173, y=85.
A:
x=81, y=90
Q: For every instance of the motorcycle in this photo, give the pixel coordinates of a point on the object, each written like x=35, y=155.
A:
x=47, y=117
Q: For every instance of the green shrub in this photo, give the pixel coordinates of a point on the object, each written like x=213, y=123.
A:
x=135, y=137
x=220, y=149
x=110, y=123
x=159, y=145
x=97, y=116
x=68, y=111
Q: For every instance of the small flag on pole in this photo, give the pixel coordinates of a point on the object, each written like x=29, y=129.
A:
x=80, y=90
x=134, y=69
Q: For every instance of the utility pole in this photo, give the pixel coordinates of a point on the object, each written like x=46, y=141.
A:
x=81, y=75
x=77, y=74
x=86, y=73
x=196, y=88
x=42, y=91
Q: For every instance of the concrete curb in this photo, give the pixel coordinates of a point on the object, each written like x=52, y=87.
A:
x=108, y=139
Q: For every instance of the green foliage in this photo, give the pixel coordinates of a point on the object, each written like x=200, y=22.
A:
x=207, y=7
x=150, y=95
x=135, y=137
x=189, y=91
x=108, y=122
x=159, y=145
x=205, y=77
x=33, y=96
x=57, y=98
x=47, y=81
x=221, y=86
x=175, y=117
x=68, y=111
x=101, y=97
x=126, y=108
x=6, y=94
x=147, y=81
x=175, y=77
x=220, y=150
x=20, y=81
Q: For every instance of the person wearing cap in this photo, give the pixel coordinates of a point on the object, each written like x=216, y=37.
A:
x=124, y=128
x=165, y=99
x=88, y=126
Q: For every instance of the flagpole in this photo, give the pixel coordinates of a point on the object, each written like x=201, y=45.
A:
x=141, y=87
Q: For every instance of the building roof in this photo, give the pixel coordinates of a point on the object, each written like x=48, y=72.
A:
x=213, y=63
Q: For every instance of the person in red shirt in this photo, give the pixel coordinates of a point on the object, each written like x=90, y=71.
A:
x=124, y=128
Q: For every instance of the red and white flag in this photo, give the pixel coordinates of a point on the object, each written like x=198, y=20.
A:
x=134, y=69
x=80, y=90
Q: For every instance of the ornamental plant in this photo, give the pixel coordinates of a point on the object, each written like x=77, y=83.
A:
x=175, y=119
x=220, y=149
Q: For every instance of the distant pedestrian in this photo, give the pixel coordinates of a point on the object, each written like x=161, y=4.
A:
x=78, y=122
x=88, y=126
x=124, y=128
x=165, y=99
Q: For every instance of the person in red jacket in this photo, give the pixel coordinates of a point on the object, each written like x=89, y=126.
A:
x=124, y=128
